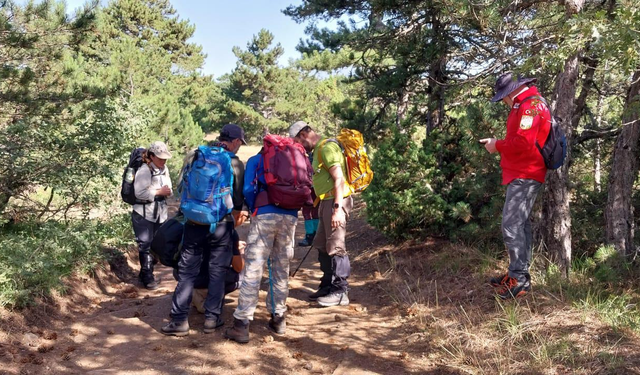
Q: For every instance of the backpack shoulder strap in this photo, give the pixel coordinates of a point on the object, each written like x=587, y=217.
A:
x=321, y=148
x=535, y=97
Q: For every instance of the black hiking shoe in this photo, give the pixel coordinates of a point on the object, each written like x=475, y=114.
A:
x=176, y=328
x=153, y=284
x=514, y=288
x=308, y=240
x=334, y=299
x=211, y=324
x=239, y=332
x=498, y=281
x=278, y=324
x=323, y=291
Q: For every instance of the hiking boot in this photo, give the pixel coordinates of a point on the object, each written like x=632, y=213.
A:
x=176, y=328
x=323, y=291
x=514, y=288
x=152, y=283
x=498, y=281
x=210, y=324
x=334, y=299
x=239, y=332
x=278, y=324
x=308, y=240
x=146, y=271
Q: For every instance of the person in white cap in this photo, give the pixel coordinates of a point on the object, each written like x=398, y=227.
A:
x=335, y=207
x=152, y=185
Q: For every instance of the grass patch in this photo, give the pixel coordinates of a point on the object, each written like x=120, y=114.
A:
x=617, y=310
x=35, y=257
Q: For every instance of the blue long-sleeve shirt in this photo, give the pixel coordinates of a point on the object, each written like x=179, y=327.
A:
x=255, y=168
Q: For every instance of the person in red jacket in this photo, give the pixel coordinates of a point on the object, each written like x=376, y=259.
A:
x=523, y=171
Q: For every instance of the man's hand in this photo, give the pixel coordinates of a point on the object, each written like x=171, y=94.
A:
x=489, y=144
x=338, y=218
x=164, y=191
x=240, y=217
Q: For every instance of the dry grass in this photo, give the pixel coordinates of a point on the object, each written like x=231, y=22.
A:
x=441, y=290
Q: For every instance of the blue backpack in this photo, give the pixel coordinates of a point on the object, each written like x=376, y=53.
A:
x=207, y=186
x=554, y=150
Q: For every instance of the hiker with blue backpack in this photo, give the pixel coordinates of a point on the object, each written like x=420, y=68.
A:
x=146, y=185
x=277, y=183
x=534, y=143
x=212, y=203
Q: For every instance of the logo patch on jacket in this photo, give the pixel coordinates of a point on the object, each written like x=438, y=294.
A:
x=526, y=122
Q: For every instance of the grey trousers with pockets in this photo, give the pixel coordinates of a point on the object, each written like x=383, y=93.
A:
x=516, y=225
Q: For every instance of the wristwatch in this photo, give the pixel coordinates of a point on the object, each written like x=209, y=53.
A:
x=336, y=206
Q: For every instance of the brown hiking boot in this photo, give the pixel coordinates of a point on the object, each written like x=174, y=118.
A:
x=239, y=332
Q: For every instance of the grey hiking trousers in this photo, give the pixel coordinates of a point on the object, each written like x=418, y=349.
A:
x=516, y=226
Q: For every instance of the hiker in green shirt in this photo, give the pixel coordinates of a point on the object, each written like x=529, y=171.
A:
x=335, y=203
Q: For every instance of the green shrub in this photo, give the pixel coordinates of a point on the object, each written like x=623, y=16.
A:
x=444, y=187
x=35, y=257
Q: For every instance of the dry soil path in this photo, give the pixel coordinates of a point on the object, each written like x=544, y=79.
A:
x=119, y=333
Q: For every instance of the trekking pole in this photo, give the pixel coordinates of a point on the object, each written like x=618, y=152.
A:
x=292, y=275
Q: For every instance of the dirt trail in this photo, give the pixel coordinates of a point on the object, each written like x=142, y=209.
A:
x=117, y=331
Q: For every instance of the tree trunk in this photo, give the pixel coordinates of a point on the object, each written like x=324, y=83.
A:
x=4, y=200
x=556, y=215
x=597, y=167
x=590, y=64
x=619, y=220
x=437, y=78
x=402, y=106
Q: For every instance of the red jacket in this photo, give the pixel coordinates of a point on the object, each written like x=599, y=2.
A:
x=527, y=123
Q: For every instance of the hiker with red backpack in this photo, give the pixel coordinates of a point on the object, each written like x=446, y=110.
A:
x=149, y=177
x=534, y=143
x=212, y=204
x=277, y=183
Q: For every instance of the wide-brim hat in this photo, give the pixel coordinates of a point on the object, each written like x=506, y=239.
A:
x=505, y=85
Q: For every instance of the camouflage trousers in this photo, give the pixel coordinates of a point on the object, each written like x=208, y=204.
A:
x=270, y=241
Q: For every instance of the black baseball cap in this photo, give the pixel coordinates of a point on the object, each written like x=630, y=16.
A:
x=233, y=131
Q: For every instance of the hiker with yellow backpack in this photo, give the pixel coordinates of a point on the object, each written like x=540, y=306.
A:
x=340, y=168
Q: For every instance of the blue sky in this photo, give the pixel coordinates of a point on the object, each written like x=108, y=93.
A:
x=222, y=24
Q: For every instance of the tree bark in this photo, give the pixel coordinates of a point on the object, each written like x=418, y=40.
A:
x=437, y=78
x=556, y=215
x=590, y=64
x=403, y=106
x=597, y=167
x=619, y=215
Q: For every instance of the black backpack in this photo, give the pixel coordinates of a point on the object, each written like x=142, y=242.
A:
x=135, y=162
x=167, y=243
x=554, y=150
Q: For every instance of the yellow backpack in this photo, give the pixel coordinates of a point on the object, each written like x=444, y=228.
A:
x=358, y=166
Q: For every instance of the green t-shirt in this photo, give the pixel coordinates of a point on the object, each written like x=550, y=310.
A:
x=322, y=181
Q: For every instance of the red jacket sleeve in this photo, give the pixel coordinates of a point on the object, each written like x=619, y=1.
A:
x=521, y=136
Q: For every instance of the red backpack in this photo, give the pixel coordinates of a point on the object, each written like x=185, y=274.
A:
x=287, y=172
